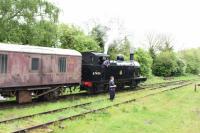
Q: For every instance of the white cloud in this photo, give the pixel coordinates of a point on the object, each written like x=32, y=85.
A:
x=179, y=18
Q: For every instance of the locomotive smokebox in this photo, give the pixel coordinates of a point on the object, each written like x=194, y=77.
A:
x=131, y=54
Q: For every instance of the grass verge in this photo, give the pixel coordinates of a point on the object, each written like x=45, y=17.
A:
x=175, y=111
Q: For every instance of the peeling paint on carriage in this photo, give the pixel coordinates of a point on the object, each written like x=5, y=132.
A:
x=20, y=74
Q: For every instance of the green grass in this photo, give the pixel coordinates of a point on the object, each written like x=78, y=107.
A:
x=175, y=111
x=99, y=117
x=16, y=112
x=10, y=113
x=45, y=118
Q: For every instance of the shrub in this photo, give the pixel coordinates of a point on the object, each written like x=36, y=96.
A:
x=145, y=61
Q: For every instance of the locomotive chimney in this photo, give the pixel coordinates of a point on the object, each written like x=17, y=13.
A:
x=131, y=54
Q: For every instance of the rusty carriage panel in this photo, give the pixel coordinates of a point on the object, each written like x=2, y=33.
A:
x=74, y=69
x=72, y=73
x=31, y=66
x=17, y=71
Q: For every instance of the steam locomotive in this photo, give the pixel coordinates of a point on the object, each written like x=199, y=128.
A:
x=96, y=74
x=27, y=71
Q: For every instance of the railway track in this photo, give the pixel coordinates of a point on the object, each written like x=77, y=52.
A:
x=13, y=104
x=94, y=110
x=161, y=84
x=169, y=84
x=152, y=84
x=60, y=109
x=56, y=110
x=82, y=105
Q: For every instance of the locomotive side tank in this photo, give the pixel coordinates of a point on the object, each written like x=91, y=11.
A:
x=24, y=69
x=97, y=69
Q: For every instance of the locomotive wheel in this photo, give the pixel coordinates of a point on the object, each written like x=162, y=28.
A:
x=120, y=86
x=133, y=84
x=106, y=88
x=90, y=91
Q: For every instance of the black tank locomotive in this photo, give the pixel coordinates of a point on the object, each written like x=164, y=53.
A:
x=97, y=69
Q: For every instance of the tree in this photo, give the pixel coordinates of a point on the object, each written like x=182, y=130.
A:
x=167, y=64
x=154, y=42
x=43, y=33
x=72, y=37
x=157, y=43
x=167, y=43
x=145, y=60
x=181, y=67
x=120, y=47
x=98, y=32
x=28, y=21
x=191, y=57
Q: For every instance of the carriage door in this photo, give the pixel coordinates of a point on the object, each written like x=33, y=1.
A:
x=35, y=69
x=46, y=69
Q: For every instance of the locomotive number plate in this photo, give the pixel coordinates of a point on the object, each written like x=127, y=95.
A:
x=96, y=73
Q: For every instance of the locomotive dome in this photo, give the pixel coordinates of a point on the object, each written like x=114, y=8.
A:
x=37, y=49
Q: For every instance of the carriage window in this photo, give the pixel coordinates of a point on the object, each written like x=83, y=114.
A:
x=62, y=64
x=35, y=64
x=3, y=63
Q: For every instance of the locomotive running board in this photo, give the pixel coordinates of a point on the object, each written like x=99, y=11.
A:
x=42, y=94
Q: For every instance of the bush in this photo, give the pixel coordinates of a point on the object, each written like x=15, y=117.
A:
x=167, y=64
x=180, y=68
x=145, y=61
x=192, y=59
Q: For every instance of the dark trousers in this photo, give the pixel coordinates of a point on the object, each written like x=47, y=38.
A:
x=112, y=93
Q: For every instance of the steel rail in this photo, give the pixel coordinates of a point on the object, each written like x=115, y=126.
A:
x=95, y=110
x=13, y=104
x=168, y=82
x=64, y=108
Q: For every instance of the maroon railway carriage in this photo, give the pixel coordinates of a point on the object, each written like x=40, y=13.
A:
x=27, y=70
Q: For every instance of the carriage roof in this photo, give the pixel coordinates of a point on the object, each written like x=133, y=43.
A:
x=37, y=49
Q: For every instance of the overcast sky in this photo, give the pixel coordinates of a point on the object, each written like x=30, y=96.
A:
x=179, y=19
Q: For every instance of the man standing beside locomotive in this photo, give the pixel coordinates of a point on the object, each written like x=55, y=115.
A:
x=112, y=87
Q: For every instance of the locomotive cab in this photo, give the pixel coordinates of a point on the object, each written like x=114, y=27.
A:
x=94, y=58
x=92, y=70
